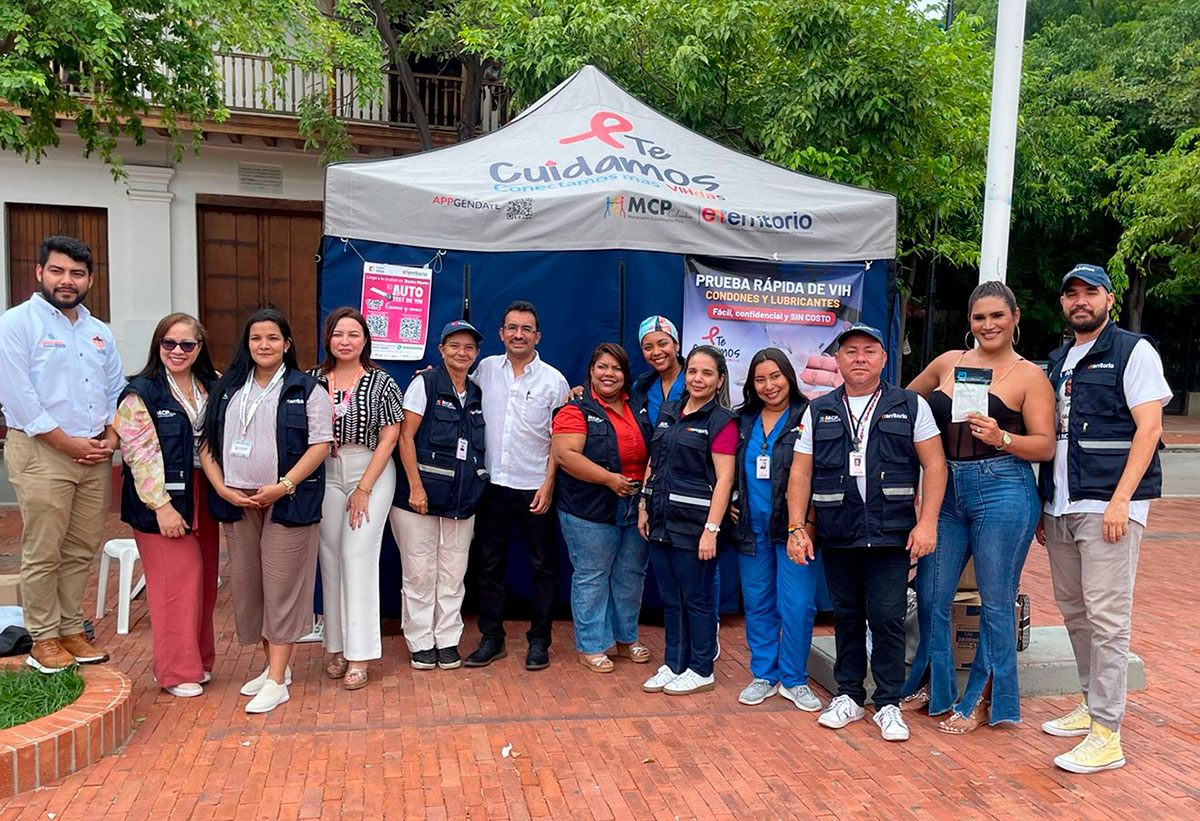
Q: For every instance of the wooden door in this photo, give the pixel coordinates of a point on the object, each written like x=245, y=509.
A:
x=251, y=257
x=29, y=224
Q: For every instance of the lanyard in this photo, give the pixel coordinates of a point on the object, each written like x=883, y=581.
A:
x=342, y=406
x=247, y=408
x=193, y=411
x=856, y=425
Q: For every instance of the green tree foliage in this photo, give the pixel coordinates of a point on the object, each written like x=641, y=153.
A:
x=104, y=65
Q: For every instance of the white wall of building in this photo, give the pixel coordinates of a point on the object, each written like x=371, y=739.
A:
x=152, y=232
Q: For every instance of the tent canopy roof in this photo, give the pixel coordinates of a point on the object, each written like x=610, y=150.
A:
x=589, y=166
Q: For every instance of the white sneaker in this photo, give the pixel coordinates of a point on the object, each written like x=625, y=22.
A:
x=252, y=687
x=891, y=724
x=802, y=697
x=840, y=712
x=689, y=682
x=757, y=691
x=659, y=680
x=206, y=678
x=185, y=690
x=269, y=697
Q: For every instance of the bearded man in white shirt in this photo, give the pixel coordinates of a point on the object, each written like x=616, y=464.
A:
x=520, y=395
x=62, y=378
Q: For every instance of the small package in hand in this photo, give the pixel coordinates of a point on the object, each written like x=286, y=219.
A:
x=970, y=392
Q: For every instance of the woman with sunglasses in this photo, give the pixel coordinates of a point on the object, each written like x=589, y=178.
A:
x=359, y=482
x=267, y=431
x=162, y=499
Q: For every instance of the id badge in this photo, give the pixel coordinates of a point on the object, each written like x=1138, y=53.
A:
x=241, y=447
x=762, y=467
x=461, y=453
x=858, y=463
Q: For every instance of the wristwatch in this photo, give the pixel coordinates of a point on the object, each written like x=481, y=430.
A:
x=288, y=485
x=1005, y=441
x=712, y=528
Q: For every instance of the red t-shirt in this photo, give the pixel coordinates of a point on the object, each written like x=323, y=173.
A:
x=727, y=440
x=630, y=444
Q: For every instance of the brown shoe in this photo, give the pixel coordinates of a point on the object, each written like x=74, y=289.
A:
x=49, y=656
x=83, y=650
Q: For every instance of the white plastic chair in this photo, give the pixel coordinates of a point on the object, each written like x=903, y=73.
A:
x=126, y=553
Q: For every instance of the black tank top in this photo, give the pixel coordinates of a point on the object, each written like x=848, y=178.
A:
x=960, y=445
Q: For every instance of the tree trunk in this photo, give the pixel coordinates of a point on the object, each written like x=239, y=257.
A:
x=1134, y=302
x=412, y=94
x=472, y=86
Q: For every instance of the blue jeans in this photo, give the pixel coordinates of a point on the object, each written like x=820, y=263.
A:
x=685, y=583
x=990, y=511
x=610, y=571
x=779, y=597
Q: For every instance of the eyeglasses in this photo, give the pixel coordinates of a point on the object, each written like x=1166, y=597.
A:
x=528, y=330
x=170, y=344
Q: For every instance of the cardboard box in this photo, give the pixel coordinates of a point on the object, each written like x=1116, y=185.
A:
x=967, y=580
x=10, y=589
x=964, y=626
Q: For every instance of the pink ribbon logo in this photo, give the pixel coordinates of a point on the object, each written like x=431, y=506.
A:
x=603, y=125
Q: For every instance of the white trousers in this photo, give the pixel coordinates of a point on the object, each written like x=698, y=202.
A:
x=350, y=557
x=433, y=555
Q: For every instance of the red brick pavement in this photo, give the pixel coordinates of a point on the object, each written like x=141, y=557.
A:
x=429, y=744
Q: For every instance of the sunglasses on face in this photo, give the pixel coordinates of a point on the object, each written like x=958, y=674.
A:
x=170, y=345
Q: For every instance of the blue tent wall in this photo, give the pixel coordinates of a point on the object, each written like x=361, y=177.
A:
x=583, y=298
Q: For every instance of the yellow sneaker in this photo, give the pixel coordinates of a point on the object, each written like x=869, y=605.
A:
x=1101, y=750
x=1076, y=722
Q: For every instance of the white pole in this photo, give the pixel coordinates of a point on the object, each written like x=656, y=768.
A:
x=1002, y=139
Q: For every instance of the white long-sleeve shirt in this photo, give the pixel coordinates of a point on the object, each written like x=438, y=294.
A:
x=55, y=373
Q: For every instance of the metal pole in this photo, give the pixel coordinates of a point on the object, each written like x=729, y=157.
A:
x=1002, y=139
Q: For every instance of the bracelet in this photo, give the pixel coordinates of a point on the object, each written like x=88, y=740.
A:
x=289, y=484
x=794, y=528
x=363, y=489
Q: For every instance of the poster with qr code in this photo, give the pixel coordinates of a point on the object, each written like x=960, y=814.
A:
x=395, y=301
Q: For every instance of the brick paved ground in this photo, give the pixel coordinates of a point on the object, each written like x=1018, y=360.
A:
x=429, y=744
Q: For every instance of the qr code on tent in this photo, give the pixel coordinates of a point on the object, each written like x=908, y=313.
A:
x=377, y=324
x=410, y=327
x=519, y=209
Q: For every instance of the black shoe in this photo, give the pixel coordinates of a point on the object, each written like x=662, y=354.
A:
x=425, y=659
x=489, y=650
x=538, y=656
x=448, y=658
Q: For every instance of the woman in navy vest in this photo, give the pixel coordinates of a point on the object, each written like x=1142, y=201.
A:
x=688, y=484
x=601, y=454
x=359, y=482
x=163, y=499
x=267, y=430
x=779, y=594
x=440, y=484
x=989, y=512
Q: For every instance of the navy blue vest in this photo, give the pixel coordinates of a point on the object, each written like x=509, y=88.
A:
x=887, y=515
x=781, y=465
x=682, y=475
x=453, y=486
x=175, y=440
x=1100, y=427
x=291, y=443
x=639, y=400
x=589, y=500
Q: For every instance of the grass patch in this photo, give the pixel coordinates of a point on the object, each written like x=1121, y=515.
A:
x=26, y=694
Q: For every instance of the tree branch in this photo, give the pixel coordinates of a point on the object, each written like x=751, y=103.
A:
x=412, y=95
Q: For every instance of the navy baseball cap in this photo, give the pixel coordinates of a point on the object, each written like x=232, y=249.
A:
x=460, y=325
x=861, y=328
x=1091, y=274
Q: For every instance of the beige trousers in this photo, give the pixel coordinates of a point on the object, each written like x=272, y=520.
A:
x=63, y=506
x=433, y=560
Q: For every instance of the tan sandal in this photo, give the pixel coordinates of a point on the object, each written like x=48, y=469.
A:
x=336, y=667
x=596, y=662
x=959, y=724
x=637, y=653
x=915, y=701
x=355, y=679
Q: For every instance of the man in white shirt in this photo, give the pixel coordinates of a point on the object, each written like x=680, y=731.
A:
x=1097, y=491
x=61, y=380
x=520, y=395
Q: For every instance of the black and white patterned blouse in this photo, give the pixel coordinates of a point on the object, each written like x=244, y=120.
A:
x=376, y=402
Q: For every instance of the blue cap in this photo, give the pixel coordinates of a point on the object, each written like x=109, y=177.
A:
x=460, y=325
x=861, y=328
x=1091, y=274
